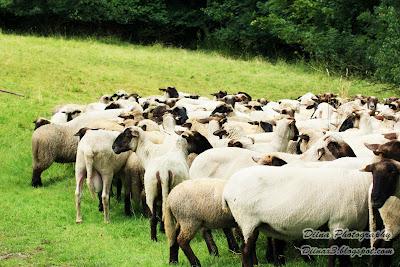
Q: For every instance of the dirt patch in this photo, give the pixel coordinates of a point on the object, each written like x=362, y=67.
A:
x=17, y=255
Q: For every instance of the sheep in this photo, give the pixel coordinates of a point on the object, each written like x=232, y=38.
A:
x=165, y=166
x=57, y=143
x=133, y=179
x=384, y=205
x=329, y=147
x=96, y=160
x=329, y=200
x=195, y=204
x=286, y=130
x=221, y=163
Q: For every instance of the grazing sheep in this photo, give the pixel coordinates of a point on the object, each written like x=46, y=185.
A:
x=192, y=205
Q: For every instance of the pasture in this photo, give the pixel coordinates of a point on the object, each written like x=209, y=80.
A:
x=37, y=226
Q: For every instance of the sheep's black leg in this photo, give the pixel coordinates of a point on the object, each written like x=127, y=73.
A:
x=247, y=253
x=159, y=212
x=127, y=205
x=174, y=250
x=331, y=258
x=253, y=248
x=36, y=179
x=344, y=260
x=185, y=246
x=381, y=260
x=100, y=201
x=278, y=251
x=232, y=244
x=212, y=247
x=153, y=222
x=387, y=259
x=270, y=250
x=119, y=189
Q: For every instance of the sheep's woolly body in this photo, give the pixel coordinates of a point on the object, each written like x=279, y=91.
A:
x=171, y=168
x=221, y=163
x=96, y=160
x=194, y=204
x=334, y=196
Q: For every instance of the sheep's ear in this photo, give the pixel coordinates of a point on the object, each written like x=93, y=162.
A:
x=368, y=168
x=372, y=147
x=187, y=125
x=321, y=152
x=390, y=136
x=256, y=159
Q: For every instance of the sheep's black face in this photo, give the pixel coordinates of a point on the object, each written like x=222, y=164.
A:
x=348, y=123
x=372, y=102
x=389, y=150
x=340, y=150
x=385, y=180
x=180, y=115
x=40, y=122
x=220, y=94
x=267, y=127
x=123, y=141
x=197, y=143
x=223, y=109
x=113, y=106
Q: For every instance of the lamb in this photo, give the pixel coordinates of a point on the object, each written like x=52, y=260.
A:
x=165, y=166
x=57, y=143
x=329, y=200
x=192, y=205
x=96, y=161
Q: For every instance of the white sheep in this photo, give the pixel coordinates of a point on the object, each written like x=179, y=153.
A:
x=96, y=160
x=313, y=198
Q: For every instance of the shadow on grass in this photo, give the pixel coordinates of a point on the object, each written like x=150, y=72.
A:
x=47, y=182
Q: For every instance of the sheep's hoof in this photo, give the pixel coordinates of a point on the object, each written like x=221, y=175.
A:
x=128, y=213
x=37, y=184
x=154, y=239
x=107, y=221
x=78, y=221
x=173, y=262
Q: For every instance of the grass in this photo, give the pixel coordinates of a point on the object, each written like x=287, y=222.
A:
x=37, y=225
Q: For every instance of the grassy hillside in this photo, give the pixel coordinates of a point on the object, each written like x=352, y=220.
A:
x=37, y=226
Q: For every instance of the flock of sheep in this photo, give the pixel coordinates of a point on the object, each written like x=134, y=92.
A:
x=234, y=163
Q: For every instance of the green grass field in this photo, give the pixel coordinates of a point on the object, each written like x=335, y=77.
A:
x=37, y=226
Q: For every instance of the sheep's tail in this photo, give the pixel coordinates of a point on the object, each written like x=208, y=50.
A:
x=225, y=206
x=89, y=174
x=165, y=188
x=170, y=224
